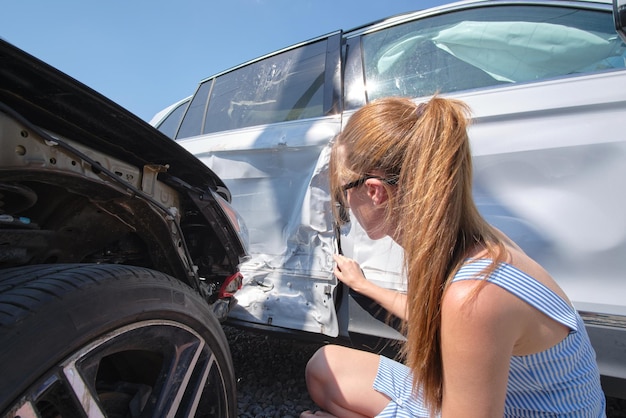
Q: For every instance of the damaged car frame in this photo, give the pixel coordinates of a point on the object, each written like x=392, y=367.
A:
x=546, y=82
x=119, y=257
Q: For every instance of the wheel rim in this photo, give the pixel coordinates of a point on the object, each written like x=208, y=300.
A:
x=150, y=368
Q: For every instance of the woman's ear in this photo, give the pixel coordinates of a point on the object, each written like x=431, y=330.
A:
x=376, y=191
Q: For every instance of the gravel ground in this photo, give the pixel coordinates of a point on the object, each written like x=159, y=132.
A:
x=270, y=376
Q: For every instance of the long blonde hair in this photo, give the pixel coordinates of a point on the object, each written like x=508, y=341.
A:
x=426, y=148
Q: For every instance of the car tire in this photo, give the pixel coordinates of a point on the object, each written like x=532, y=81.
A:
x=110, y=340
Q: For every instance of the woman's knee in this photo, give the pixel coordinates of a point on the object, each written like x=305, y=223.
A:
x=322, y=372
x=326, y=359
x=317, y=368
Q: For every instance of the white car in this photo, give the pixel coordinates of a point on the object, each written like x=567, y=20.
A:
x=546, y=81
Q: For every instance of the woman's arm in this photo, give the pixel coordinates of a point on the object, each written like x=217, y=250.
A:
x=349, y=272
x=478, y=337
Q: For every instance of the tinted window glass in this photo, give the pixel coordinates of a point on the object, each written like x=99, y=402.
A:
x=192, y=124
x=169, y=125
x=488, y=46
x=283, y=87
x=354, y=91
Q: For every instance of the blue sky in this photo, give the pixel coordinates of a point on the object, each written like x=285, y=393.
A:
x=145, y=55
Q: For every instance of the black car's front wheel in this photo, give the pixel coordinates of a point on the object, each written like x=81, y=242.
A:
x=109, y=340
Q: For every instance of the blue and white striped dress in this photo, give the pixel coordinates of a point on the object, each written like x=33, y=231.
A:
x=562, y=381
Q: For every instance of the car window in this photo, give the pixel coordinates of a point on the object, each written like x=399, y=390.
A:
x=169, y=125
x=286, y=86
x=488, y=46
x=283, y=87
x=192, y=122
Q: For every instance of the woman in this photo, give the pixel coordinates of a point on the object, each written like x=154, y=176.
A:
x=489, y=332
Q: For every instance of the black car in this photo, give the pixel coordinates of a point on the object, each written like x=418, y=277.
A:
x=119, y=257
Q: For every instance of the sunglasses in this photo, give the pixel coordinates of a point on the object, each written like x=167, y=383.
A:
x=360, y=181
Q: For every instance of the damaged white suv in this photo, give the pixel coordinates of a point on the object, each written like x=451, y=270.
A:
x=546, y=81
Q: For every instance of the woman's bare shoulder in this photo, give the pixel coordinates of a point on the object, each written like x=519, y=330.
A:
x=478, y=297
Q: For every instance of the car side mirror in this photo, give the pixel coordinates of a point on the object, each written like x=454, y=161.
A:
x=619, y=17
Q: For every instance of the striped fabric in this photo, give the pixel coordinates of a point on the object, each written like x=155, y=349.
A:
x=395, y=380
x=562, y=381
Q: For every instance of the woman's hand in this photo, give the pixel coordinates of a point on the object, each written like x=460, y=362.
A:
x=349, y=273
